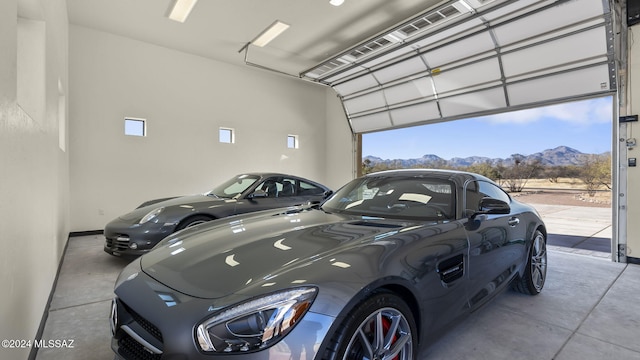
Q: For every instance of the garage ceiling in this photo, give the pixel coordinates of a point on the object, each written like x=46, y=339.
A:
x=395, y=63
x=217, y=29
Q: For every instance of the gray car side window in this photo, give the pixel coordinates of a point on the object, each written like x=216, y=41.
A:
x=288, y=187
x=476, y=190
x=271, y=186
x=493, y=191
x=307, y=189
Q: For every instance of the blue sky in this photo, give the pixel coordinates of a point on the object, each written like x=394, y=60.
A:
x=582, y=125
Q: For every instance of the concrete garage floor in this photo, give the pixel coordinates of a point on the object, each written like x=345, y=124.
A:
x=589, y=309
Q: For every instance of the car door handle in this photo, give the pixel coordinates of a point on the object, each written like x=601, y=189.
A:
x=513, y=221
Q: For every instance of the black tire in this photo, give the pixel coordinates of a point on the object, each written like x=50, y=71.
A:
x=356, y=337
x=535, y=273
x=193, y=221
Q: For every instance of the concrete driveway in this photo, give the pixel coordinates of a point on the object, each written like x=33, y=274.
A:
x=578, y=229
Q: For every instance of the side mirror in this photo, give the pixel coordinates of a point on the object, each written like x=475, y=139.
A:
x=493, y=206
x=257, y=194
x=490, y=206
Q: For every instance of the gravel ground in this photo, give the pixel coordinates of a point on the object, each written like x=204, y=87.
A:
x=573, y=198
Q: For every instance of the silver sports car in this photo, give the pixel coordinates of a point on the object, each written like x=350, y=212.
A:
x=135, y=233
x=375, y=272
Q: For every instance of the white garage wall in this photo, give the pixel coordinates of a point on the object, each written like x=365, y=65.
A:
x=34, y=181
x=341, y=152
x=185, y=99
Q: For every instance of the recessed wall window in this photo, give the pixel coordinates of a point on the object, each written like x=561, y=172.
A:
x=135, y=127
x=292, y=141
x=227, y=135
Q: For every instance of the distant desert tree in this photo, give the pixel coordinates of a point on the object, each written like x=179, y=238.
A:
x=515, y=175
x=369, y=167
x=554, y=173
x=595, y=172
x=366, y=166
x=485, y=169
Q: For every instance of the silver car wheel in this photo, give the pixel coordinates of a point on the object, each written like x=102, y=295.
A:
x=383, y=335
x=193, y=221
x=534, y=275
x=539, y=261
x=197, y=222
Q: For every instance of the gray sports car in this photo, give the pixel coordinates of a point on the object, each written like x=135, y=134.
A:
x=137, y=232
x=375, y=272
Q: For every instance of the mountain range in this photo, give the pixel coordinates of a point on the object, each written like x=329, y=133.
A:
x=559, y=156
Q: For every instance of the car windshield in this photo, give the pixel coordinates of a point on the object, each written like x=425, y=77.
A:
x=411, y=198
x=234, y=186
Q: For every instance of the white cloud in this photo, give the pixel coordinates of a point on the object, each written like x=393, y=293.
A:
x=579, y=112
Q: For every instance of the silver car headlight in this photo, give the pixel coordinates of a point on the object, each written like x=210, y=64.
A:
x=256, y=324
x=129, y=272
x=151, y=215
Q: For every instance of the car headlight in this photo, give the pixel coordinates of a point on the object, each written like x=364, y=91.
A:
x=128, y=273
x=256, y=324
x=152, y=214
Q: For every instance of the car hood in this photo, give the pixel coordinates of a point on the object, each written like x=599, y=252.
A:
x=184, y=201
x=222, y=259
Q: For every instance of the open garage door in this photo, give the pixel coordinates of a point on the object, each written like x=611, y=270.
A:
x=469, y=58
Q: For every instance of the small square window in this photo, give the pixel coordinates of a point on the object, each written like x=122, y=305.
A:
x=292, y=141
x=227, y=135
x=135, y=127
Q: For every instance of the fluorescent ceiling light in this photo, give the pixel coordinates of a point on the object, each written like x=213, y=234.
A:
x=336, y=2
x=270, y=33
x=181, y=9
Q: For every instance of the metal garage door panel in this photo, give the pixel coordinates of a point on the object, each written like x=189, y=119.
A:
x=566, y=50
x=504, y=54
x=474, y=102
x=412, y=90
x=398, y=71
x=446, y=35
x=560, y=86
x=378, y=121
x=550, y=20
x=365, y=102
x=459, y=50
x=467, y=76
x=358, y=84
x=415, y=113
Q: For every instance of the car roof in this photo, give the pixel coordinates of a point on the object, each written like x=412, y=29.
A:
x=276, y=174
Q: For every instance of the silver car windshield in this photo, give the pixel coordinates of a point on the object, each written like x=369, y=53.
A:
x=233, y=187
x=411, y=198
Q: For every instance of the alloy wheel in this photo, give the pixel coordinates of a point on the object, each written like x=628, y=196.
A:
x=539, y=262
x=384, y=335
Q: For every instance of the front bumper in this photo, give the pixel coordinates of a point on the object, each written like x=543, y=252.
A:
x=125, y=252
x=124, y=238
x=151, y=321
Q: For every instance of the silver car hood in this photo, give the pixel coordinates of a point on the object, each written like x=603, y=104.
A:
x=252, y=251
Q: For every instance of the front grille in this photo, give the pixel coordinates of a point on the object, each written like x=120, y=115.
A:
x=149, y=327
x=131, y=349
x=128, y=347
x=118, y=242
